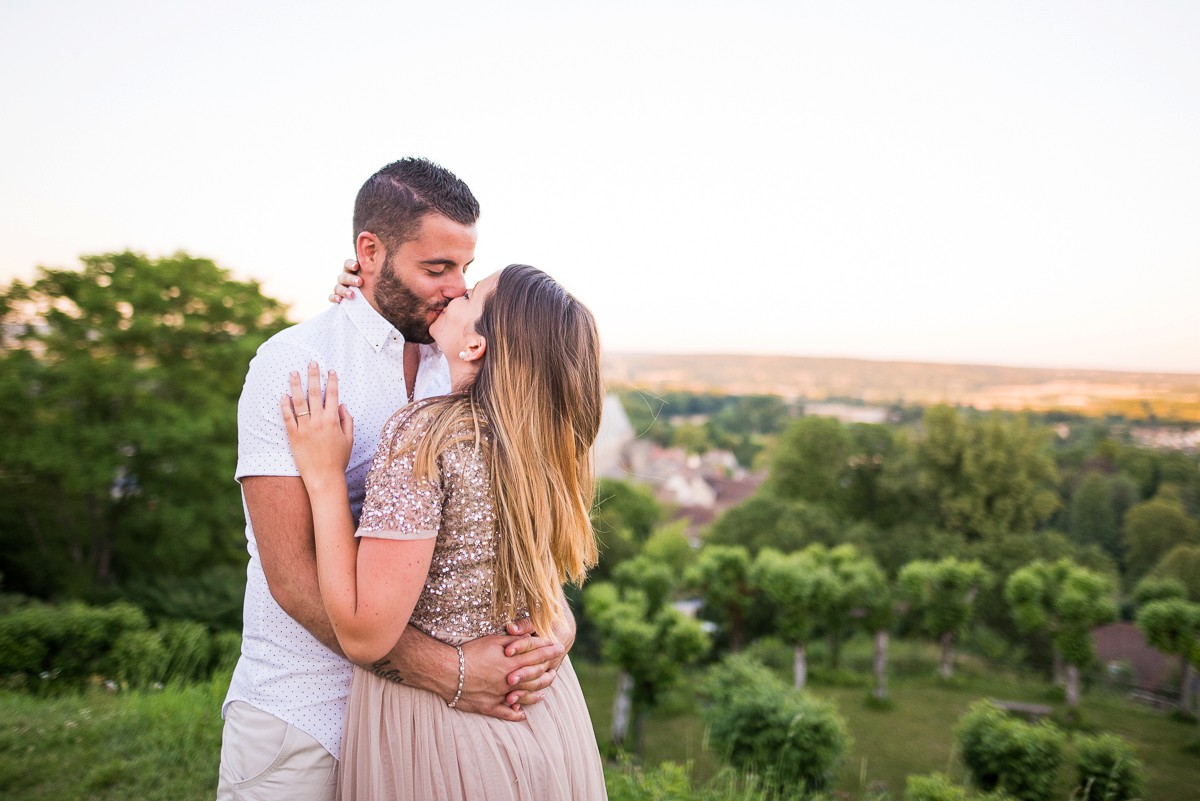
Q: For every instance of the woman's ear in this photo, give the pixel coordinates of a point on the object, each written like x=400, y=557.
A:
x=476, y=347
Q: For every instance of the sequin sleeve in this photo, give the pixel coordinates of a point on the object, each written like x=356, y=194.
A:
x=399, y=506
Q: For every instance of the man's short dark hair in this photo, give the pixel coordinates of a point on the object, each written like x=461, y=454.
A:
x=393, y=201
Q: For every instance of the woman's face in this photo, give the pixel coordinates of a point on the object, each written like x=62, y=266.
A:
x=455, y=326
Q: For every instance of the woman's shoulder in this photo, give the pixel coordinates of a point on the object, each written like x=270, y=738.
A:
x=451, y=419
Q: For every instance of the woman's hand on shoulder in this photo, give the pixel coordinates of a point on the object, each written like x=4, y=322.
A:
x=321, y=432
x=346, y=281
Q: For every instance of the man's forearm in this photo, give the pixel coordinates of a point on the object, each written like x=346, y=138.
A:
x=420, y=661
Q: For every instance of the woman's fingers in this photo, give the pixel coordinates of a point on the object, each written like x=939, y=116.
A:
x=314, y=388
x=299, y=401
x=331, y=394
x=347, y=279
x=289, y=416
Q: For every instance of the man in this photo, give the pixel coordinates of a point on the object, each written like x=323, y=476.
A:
x=414, y=225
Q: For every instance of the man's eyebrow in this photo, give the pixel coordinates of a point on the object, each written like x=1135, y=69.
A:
x=443, y=262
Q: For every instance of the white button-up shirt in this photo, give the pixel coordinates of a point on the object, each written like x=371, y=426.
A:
x=283, y=669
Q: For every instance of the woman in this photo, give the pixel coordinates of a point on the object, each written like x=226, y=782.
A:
x=477, y=510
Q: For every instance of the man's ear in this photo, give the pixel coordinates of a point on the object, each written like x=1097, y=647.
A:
x=371, y=254
x=476, y=347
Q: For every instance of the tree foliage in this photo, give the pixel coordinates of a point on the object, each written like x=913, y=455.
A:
x=941, y=599
x=124, y=376
x=1182, y=563
x=1065, y=601
x=984, y=477
x=1152, y=529
x=722, y=575
x=649, y=641
x=760, y=725
x=623, y=517
x=765, y=521
x=1094, y=515
x=1002, y=753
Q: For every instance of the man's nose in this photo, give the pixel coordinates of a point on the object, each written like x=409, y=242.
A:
x=455, y=286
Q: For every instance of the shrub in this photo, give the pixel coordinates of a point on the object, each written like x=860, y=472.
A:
x=772, y=652
x=48, y=648
x=940, y=787
x=189, y=651
x=1002, y=753
x=934, y=787
x=226, y=648
x=761, y=724
x=69, y=643
x=140, y=658
x=1108, y=769
x=213, y=597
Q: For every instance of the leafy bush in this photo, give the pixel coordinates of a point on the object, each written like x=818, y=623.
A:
x=761, y=724
x=772, y=652
x=189, y=651
x=48, y=648
x=1108, y=769
x=1002, y=753
x=226, y=648
x=140, y=658
x=213, y=597
x=68, y=644
x=940, y=787
x=934, y=787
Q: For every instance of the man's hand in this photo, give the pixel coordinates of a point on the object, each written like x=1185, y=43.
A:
x=507, y=671
x=530, y=683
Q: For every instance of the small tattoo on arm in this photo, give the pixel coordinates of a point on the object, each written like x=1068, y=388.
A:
x=382, y=670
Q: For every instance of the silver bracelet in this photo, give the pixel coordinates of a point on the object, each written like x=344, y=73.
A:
x=462, y=675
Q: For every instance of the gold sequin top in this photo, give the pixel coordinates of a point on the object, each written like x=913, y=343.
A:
x=457, y=507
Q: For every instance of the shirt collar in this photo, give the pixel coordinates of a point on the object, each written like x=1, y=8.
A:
x=375, y=329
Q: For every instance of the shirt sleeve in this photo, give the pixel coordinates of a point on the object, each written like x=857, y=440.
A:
x=263, y=448
x=399, y=505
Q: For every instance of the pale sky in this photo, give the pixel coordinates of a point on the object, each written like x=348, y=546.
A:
x=986, y=182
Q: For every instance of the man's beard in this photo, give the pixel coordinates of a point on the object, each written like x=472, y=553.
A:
x=401, y=307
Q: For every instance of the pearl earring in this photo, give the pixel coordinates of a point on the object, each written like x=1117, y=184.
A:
x=462, y=354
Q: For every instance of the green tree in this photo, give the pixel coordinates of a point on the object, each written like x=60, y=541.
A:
x=765, y=521
x=941, y=597
x=983, y=477
x=124, y=376
x=623, y=517
x=859, y=583
x=877, y=615
x=650, y=642
x=1154, y=527
x=1173, y=627
x=1093, y=514
x=802, y=591
x=1182, y=563
x=1065, y=601
x=811, y=461
x=722, y=575
x=669, y=545
x=692, y=438
x=1152, y=588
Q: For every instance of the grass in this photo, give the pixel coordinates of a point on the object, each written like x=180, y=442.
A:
x=916, y=734
x=160, y=745
x=155, y=746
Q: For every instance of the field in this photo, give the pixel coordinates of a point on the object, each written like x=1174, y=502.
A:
x=163, y=745
x=917, y=734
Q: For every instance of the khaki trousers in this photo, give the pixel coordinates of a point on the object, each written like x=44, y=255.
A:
x=265, y=759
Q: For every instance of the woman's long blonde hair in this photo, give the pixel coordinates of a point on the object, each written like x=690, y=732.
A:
x=538, y=395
